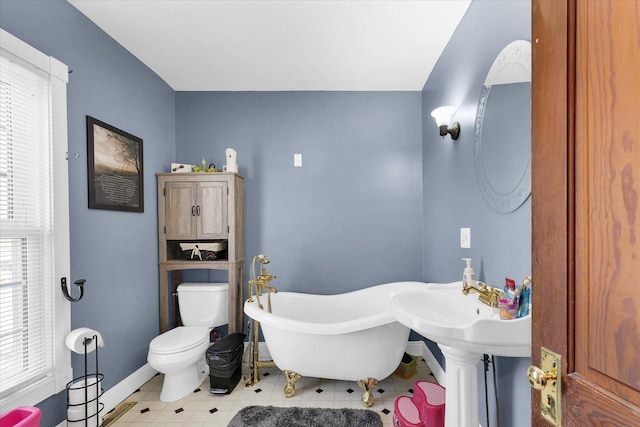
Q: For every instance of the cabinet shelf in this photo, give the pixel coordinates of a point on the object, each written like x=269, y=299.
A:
x=176, y=264
x=175, y=251
x=200, y=208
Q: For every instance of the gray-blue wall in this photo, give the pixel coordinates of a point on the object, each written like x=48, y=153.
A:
x=350, y=217
x=115, y=251
x=500, y=243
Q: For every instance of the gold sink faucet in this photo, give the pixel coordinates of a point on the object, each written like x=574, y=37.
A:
x=486, y=294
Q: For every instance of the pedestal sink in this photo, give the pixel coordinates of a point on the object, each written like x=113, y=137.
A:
x=464, y=329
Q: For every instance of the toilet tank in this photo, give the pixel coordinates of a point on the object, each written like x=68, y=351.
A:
x=204, y=304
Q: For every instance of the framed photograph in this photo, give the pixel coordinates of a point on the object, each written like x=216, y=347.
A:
x=115, y=168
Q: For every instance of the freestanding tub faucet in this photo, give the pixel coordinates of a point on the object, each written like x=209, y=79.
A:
x=256, y=285
x=261, y=282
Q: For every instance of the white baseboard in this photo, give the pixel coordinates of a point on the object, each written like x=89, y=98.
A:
x=419, y=348
x=119, y=392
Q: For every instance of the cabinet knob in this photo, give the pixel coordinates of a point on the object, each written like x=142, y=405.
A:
x=193, y=211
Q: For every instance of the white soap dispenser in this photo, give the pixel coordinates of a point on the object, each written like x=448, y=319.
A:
x=468, y=277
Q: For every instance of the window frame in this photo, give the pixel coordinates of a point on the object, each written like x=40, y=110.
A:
x=62, y=372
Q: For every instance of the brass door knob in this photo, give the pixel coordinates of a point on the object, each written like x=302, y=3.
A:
x=547, y=379
x=538, y=378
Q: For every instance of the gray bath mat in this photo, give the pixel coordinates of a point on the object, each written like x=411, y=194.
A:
x=270, y=416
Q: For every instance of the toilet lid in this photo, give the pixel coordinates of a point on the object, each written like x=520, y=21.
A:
x=179, y=339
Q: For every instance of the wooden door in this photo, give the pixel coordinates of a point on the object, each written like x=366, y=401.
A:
x=180, y=210
x=586, y=205
x=211, y=210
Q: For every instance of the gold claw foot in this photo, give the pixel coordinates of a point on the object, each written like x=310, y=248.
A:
x=366, y=386
x=292, y=378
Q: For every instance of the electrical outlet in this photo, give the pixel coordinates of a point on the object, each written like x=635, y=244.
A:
x=297, y=160
x=465, y=238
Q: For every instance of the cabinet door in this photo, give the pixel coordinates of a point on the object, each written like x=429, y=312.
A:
x=180, y=210
x=211, y=210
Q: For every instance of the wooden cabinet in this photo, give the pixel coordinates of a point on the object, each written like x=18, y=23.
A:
x=196, y=210
x=200, y=208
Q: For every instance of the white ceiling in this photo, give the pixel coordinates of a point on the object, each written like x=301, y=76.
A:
x=337, y=45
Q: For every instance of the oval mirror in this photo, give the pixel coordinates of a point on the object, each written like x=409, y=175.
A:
x=502, y=141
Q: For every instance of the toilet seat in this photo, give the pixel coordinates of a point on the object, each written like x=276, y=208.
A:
x=179, y=339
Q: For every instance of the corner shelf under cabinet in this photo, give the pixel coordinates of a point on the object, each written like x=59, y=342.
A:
x=201, y=208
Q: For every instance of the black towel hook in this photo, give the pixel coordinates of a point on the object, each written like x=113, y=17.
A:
x=65, y=291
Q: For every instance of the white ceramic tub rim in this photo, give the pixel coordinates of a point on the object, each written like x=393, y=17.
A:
x=376, y=318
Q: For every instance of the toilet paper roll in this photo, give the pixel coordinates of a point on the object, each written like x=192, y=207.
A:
x=77, y=338
x=77, y=412
x=77, y=416
x=76, y=391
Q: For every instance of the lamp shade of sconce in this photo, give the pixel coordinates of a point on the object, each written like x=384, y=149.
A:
x=443, y=118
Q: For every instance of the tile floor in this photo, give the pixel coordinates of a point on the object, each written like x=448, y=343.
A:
x=201, y=408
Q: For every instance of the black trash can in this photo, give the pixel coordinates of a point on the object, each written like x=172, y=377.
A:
x=225, y=363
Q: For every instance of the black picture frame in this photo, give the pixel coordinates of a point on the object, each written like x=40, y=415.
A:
x=115, y=168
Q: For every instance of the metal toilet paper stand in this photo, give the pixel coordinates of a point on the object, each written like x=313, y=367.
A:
x=83, y=393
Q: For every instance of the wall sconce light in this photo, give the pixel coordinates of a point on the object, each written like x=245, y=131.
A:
x=443, y=118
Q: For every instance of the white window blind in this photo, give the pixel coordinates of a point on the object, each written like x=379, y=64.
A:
x=29, y=357
x=26, y=244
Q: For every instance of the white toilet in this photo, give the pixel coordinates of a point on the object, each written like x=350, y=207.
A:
x=180, y=352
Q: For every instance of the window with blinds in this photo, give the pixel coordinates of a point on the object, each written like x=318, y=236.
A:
x=25, y=213
x=28, y=317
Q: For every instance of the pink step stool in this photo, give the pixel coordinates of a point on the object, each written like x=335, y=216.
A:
x=424, y=409
x=22, y=416
x=405, y=413
x=429, y=398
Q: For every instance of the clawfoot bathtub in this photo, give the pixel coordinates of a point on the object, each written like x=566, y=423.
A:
x=350, y=336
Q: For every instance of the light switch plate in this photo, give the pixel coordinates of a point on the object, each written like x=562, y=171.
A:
x=297, y=160
x=465, y=238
